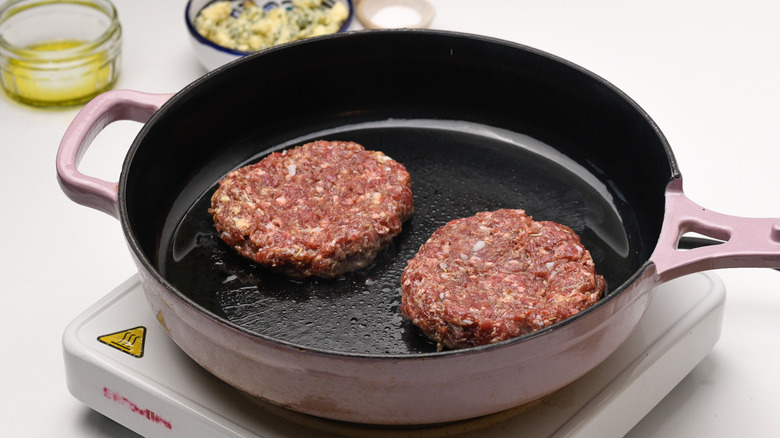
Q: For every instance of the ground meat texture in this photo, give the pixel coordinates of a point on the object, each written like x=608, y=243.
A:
x=321, y=209
x=495, y=276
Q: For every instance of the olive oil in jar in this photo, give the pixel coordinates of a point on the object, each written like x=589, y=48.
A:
x=72, y=79
x=58, y=53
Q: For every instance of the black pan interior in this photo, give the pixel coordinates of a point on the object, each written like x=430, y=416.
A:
x=480, y=124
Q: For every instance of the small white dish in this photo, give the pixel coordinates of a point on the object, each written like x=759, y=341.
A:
x=389, y=14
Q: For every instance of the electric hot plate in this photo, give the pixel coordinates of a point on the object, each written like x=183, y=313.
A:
x=120, y=362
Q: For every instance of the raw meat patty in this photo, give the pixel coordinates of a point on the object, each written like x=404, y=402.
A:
x=495, y=276
x=321, y=209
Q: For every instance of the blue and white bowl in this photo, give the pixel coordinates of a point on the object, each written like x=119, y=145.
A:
x=211, y=55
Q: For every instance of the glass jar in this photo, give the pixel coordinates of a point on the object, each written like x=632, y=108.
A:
x=58, y=52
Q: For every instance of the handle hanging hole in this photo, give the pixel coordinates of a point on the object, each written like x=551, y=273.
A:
x=693, y=240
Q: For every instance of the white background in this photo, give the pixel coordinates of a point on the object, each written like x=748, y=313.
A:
x=705, y=71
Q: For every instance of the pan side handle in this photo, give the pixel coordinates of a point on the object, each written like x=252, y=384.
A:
x=100, y=112
x=744, y=242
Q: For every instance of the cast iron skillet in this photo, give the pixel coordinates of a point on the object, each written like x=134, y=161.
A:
x=460, y=133
x=480, y=124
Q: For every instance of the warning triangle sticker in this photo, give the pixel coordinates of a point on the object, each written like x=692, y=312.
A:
x=130, y=341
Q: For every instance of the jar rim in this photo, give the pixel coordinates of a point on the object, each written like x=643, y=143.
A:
x=14, y=7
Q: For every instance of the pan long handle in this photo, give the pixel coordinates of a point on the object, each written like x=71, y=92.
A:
x=103, y=110
x=746, y=242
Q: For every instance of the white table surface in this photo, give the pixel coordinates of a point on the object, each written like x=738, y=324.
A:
x=706, y=72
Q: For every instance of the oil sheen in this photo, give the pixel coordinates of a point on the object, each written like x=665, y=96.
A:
x=458, y=169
